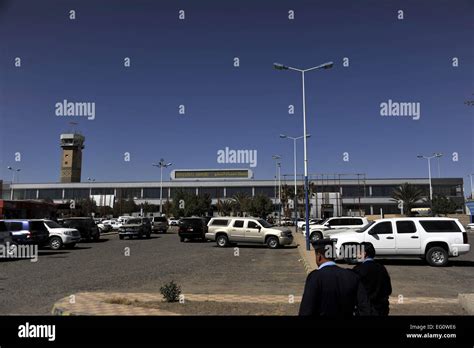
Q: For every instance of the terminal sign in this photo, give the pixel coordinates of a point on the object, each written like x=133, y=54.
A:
x=211, y=174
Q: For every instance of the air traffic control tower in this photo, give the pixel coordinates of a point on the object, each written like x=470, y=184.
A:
x=71, y=160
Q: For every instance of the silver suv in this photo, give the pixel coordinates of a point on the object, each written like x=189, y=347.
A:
x=227, y=230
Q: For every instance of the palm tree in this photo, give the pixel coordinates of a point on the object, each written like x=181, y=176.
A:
x=224, y=207
x=240, y=203
x=409, y=195
x=287, y=193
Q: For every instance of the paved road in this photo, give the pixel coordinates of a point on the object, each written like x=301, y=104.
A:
x=32, y=288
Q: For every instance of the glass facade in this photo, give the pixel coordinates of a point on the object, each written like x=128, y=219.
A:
x=50, y=194
x=76, y=194
x=214, y=192
x=354, y=191
x=154, y=192
x=232, y=191
x=268, y=191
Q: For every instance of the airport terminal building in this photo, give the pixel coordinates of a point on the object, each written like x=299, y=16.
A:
x=333, y=195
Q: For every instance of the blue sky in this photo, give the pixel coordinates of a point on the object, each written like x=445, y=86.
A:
x=190, y=62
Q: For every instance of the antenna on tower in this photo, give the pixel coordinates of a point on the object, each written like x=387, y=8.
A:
x=73, y=126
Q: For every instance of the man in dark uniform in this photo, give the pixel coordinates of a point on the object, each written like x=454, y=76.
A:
x=331, y=290
x=375, y=279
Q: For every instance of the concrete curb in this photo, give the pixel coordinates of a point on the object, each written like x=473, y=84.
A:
x=467, y=302
x=307, y=257
x=95, y=303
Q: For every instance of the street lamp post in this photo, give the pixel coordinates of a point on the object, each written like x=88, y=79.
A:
x=283, y=136
x=472, y=188
x=277, y=178
x=438, y=156
x=162, y=164
x=435, y=155
x=279, y=66
x=14, y=171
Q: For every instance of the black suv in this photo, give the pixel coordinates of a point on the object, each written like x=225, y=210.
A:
x=28, y=232
x=192, y=228
x=85, y=225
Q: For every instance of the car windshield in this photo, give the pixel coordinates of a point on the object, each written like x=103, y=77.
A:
x=52, y=224
x=363, y=229
x=264, y=223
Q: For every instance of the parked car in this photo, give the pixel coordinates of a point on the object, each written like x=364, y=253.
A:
x=113, y=223
x=26, y=232
x=135, y=227
x=6, y=241
x=124, y=219
x=160, y=224
x=192, y=228
x=335, y=223
x=287, y=222
x=433, y=239
x=227, y=230
x=104, y=228
x=173, y=221
x=470, y=226
x=85, y=225
x=59, y=236
x=302, y=223
x=5, y=235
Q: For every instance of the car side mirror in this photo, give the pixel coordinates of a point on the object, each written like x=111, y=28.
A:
x=371, y=232
x=259, y=228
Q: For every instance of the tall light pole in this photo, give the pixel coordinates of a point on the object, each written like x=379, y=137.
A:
x=279, y=66
x=277, y=171
x=435, y=155
x=472, y=188
x=283, y=136
x=438, y=156
x=14, y=171
x=162, y=164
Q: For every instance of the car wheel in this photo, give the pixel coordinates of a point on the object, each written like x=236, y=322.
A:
x=121, y=237
x=181, y=239
x=315, y=236
x=272, y=242
x=70, y=246
x=148, y=235
x=55, y=243
x=203, y=239
x=96, y=237
x=222, y=241
x=437, y=256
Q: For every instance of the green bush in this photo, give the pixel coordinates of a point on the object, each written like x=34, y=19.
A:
x=171, y=292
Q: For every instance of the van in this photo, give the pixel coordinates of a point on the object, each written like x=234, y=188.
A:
x=159, y=224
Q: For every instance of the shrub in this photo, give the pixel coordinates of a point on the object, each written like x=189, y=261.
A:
x=171, y=292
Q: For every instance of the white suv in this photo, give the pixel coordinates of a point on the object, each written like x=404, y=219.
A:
x=60, y=236
x=432, y=238
x=331, y=225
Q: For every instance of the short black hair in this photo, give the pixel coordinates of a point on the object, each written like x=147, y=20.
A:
x=368, y=249
x=325, y=247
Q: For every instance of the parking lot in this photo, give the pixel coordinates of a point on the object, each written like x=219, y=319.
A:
x=203, y=268
x=32, y=288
